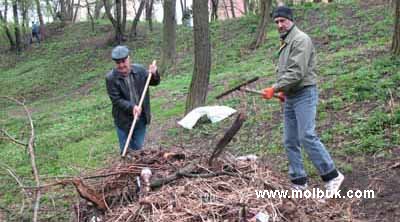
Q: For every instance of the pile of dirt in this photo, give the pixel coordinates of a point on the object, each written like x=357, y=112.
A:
x=184, y=187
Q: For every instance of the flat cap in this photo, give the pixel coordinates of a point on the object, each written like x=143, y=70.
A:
x=120, y=52
x=283, y=11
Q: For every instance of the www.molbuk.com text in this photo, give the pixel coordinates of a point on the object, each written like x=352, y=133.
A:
x=315, y=193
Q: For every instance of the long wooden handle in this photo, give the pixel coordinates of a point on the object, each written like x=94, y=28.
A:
x=128, y=140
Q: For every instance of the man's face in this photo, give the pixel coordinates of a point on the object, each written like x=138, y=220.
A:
x=123, y=66
x=283, y=24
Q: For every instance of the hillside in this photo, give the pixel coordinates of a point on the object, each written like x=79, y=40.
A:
x=62, y=83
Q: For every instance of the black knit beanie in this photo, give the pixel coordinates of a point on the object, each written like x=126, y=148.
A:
x=283, y=11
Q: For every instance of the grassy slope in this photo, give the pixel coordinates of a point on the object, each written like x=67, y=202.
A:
x=63, y=84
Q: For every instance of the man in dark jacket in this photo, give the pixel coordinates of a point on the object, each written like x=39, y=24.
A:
x=125, y=84
x=297, y=80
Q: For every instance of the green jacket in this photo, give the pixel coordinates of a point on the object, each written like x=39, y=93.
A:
x=296, y=68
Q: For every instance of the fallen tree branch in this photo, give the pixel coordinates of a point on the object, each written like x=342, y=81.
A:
x=230, y=133
x=178, y=174
x=89, y=194
x=31, y=145
x=8, y=136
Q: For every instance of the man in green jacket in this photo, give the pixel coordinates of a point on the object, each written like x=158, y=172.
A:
x=296, y=79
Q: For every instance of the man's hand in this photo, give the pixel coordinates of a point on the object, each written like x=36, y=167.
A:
x=136, y=111
x=281, y=97
x=153, y=67
x=268, y=93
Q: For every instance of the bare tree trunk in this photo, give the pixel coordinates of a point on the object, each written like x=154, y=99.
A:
x=90, y=15
x=118, y=28
x=245, y=3
x=214, y=10
x=63, y=11
x=124, y=12
x=70, y=10
x=232, y=9
x=76, y=11
x=18, y=42
x=252, y=6
x=50, y=9
x=3, y=22
x=202, y=56
x=183, y=6
x=97, y=9
x=260, y=34
x=225, y=9
x=41, y=20
x=109, y=14
x=133, y=31
x=149, y=13
x=396, y=33
x=24, y=11
x=169, y=36
x=5, y=10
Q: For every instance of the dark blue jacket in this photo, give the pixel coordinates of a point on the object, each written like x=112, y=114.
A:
x=118, y=92
x=35, y=28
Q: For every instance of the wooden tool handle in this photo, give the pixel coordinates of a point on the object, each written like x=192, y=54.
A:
x=128, y=140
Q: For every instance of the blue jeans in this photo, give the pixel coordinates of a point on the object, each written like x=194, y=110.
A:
x=299, y=131
x=137, y=139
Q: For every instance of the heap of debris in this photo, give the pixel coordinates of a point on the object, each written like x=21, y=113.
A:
x=184, y=187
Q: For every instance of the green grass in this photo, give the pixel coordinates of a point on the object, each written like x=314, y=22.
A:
x=63, y=84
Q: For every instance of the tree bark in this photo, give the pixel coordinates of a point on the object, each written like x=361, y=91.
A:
x=183, y=7
x=51, y=10
x=109, y=14
x=229, y=134
x=118, y=28
x=214, y=10
x=232, y=9
x=265, y=6
x=41, y=20
x=225, y=9
x=5, y=10
x=133, y=31
x=149, y=13
x=24, y=11
x=169, y=36
x=90, y=15
x=76, y=11
x=202, y=56
x=63, y=11
x=17, y=31
x=396, y=33
x=97, y=9
x=3, y=22
x=124, y=12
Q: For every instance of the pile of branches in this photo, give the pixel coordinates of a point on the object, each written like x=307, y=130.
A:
x=184, y=187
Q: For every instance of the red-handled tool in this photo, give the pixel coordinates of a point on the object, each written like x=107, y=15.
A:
x=279, y=95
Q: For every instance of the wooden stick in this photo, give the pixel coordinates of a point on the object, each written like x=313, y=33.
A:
x=230, y=133
x=236, y=87
x=128, y=140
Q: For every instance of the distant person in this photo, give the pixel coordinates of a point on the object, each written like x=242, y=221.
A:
x=35, y=32
x=125, y=84
x=186, y=17
x=297, y=80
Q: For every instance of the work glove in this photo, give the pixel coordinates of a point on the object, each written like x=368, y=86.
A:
x=281, y=97
x=268, y=93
